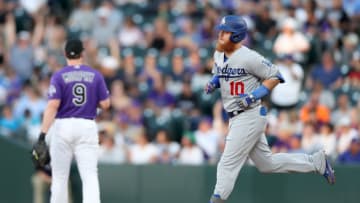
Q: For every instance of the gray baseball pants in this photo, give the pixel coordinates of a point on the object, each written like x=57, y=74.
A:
x=246, y=139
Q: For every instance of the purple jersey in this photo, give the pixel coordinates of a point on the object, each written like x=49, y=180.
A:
x=80, y=89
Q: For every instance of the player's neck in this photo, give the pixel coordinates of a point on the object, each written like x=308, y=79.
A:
x=229, y=52
x=74, y=62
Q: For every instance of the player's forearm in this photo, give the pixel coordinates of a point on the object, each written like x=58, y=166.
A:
x=216, y=81
x=49, y=115
x=48, y=119
x=105, y=104
x=264, y=89
x=270, y=83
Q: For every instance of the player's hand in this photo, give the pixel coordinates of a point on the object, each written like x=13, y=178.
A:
x=246, y=100
x=40, y=152
x=209, y=88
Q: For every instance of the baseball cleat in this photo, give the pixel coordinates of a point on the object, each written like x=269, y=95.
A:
x=329, y=174
x=216, y=199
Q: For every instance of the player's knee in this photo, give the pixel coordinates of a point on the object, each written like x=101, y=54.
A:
x=264, y=169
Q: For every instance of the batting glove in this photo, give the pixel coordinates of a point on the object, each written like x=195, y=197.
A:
x=209, y=88
x=246, y=100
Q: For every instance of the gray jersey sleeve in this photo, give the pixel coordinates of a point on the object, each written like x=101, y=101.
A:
x=215, y=57
x=264, y=69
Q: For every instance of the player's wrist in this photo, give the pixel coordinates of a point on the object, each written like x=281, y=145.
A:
x=215, y=82
x=42, y=136
x=260, y=92
x=250, y=99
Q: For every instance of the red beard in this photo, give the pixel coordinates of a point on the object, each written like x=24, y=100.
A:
x=226, y=47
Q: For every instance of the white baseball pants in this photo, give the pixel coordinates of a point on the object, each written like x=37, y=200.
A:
x=78, y=137
x=246, y=139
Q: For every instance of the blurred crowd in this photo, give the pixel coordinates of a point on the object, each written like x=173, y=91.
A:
x=156, y=57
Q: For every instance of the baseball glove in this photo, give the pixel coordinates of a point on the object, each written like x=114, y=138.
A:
x=40, y=152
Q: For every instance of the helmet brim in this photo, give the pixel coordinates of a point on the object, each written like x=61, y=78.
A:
x=224, y=27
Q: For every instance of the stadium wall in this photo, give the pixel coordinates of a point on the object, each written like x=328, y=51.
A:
x=179, y=184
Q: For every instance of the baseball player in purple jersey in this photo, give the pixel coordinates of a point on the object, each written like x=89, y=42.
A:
x=74, y=94
x=244, y=77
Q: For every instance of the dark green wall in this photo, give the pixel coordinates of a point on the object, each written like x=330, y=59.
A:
x=15, y=171
x=180, y=184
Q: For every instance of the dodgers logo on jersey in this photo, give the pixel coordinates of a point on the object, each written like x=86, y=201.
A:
x=229, y=72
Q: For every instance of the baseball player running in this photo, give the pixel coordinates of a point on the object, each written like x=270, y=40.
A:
x=244, y=77
x=75, y=92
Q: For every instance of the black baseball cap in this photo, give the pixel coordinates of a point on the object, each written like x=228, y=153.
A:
x=73, y=48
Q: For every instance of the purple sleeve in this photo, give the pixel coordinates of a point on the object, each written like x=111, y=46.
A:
x=102, y=89
x=54, y=91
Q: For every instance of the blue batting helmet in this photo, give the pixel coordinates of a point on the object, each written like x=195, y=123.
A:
x=234, y=24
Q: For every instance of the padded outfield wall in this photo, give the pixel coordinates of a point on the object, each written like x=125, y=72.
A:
x=179, y=184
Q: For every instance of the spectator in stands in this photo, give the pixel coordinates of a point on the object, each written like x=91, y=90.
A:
x=22, y=49
x=9, y=124
x=207, y=139
x=187, y=100
x=352, y=155
x=286, y=96
x=206, y=31
x=115, y=16
x=295, y=145
x=188, y=37
x=326, y=96
x=283, y=140
x=351, y=7
x=160, y=37
x=130, y=34
x=150, y=72
x=168, y=150
x=159, y=97
x=310, y=139
x=109, y=67
x=32, y=100
x=354, y=73
x=12, y=82
x=350, y=44
x=127, y=129
x=314, y=112
x=291, y=41
x=345, y=134
x=201, y=76
x=30, y=127
x=104, y=29
x=83, y=17
x=179, y=74
x=129, y=71
x=190, y=153
x=328, y=140
x=343, y=109
x=355, y=118
x=327, y=72
x=109, y=152
x=119, y=99
x=142, y=152
x=264, y=24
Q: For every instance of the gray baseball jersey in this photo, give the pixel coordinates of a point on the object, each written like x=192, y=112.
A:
x=80, y=90
x=242, y=73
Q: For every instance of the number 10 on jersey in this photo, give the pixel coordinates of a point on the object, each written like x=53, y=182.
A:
x=236, y=87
